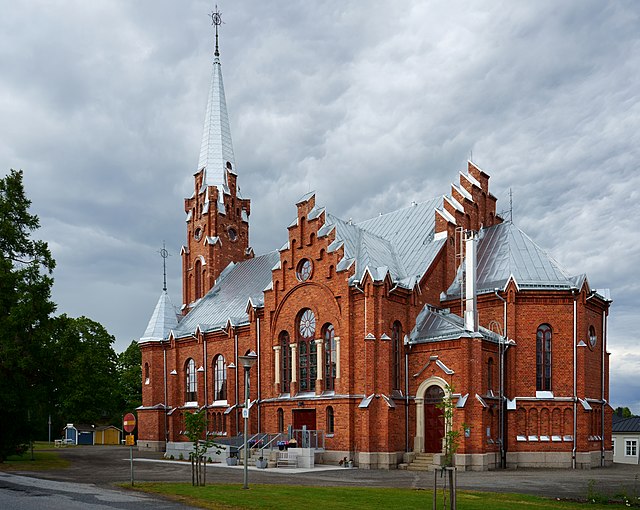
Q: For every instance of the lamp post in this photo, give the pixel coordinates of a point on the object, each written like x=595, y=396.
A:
x=247, y=362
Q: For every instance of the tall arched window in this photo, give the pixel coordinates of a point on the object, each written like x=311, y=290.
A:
x=543, y=358
x=396, y=356
x=219, y=378
x=191, y=381
x=329, y=337
x=490, y=375
x=308, y=363
x=198, y=275
x=285, y=363
x=330, y=420
x=146, y=373
x=280, y=420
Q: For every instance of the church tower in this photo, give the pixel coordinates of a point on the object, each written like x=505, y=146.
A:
x=217, y=215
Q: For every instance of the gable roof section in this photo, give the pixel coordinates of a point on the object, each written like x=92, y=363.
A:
x=627, y=425
x=163, y=320
x=505, y=251
x=438, y=325
x=227, y=300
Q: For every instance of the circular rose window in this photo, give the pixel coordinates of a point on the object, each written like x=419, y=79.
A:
x=307, y=324
x=304, y=270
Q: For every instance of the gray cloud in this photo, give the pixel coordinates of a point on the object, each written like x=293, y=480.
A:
x=102, y=106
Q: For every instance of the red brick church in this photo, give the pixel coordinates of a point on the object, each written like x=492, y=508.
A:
x=361, y=328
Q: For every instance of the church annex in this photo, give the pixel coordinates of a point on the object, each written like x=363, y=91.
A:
x=361, y=328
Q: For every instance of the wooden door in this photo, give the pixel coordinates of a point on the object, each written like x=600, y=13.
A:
x=433, y=420
x=303, y=417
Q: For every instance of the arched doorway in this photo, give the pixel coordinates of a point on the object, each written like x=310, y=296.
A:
x=433, y=419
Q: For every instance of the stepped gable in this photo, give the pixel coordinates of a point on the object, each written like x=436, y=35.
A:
x=227, y=301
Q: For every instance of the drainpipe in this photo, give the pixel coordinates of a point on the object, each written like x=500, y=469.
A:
x=406, y=401
x=575, y=390
x=604, y=350
x=206, y=395
x=259, y=377
x=166, y=418
x=502, y=352
x=235, y=362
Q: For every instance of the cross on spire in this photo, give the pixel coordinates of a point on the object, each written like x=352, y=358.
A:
x=216, y=20
x=164, y=254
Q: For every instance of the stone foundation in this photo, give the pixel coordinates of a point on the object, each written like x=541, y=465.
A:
x=152, y=446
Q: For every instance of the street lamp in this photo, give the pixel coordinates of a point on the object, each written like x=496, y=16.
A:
x=247, y=362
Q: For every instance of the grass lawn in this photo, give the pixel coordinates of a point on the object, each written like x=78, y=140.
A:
x=283, y=497
x=44, y=458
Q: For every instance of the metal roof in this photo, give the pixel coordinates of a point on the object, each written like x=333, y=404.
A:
x=627, y=425
x=439, y=325
x=227, y=300
x=505, y=252
x=163, y=320
x=217, y=147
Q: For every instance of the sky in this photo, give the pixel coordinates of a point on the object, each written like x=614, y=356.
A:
x=371, y=104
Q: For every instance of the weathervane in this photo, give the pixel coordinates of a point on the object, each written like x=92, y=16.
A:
x=164, y=254
x=216, y=20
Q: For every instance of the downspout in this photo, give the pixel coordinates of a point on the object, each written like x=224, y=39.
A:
x=206, y=395
x=259, y=377
x=235, y=362
x=575, y=390
x=604, y=350
x=166, y=418
x=502, y=352
x=406, y=401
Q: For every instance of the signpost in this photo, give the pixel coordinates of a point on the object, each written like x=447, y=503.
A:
x=129, y=425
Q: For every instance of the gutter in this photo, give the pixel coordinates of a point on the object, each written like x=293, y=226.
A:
x=575, y=366
x=259, y=364
x=502, y=351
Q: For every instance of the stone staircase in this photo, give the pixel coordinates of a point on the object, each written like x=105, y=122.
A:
x=422, y=462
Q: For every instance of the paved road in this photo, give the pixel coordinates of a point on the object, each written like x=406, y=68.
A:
x=103, y=466
x=27, y=493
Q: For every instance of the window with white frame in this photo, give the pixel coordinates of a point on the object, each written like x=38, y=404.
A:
x=219, y=378
x=613, y=445
x=191, y=383
x=631, y=447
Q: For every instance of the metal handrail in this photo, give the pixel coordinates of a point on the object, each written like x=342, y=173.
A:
x=275, y=438
x=241, y=447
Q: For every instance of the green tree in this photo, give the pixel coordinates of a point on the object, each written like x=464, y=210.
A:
x=25, y=310
x=86, y=389
x=130, y=377
x=623, y=412
x=195, y=426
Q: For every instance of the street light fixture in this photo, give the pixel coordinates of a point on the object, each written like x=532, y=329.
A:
x=247, y=362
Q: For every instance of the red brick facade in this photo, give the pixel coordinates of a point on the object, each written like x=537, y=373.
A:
x=377, y=398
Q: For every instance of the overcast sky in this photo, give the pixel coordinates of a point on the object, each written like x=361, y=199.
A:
x=372, y=104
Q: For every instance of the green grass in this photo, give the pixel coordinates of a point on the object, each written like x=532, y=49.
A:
x=283, y=497
x=44, y=459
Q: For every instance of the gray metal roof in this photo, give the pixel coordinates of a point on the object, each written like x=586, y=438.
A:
x=627, y=425
x=400, y=243
x=439, y=325
x=163, y=320
x=216, y=148
x=227, y=300
x=504, y=251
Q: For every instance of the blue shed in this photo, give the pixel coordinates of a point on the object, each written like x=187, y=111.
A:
x=79, y=434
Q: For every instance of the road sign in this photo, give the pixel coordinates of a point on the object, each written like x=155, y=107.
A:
x=130, y=440
x=129, y=422
x=245, y=413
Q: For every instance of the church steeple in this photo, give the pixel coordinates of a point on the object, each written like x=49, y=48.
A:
x=217, y=215
x=216, y=149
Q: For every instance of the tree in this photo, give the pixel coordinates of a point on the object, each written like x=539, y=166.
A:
x=86, y=389
x=623, y=412
x=130, y=377
x=195, y=425
x=25, y=310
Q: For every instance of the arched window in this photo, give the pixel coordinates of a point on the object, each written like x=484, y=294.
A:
x=329, y=337
x=285, y=363
x=490, y=375
x=543, y=358
x=280, y=420
x=396, y=353
x=191, y=382
x=146, y=373
x=219, y=378
x=330, y=420
x=308, y=363
x=198, y=275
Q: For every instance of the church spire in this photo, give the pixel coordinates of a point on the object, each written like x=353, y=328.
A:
x=216, y=149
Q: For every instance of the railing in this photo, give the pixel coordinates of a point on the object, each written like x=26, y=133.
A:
x=309, y=438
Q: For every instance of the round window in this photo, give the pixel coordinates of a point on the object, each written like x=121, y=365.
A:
x=593, y=339
x=233, y=235
x=307, y=324
x=198, y=234
x=305, y=268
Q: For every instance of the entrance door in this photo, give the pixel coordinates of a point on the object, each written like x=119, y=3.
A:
x=304, y=417
x=433, y=420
